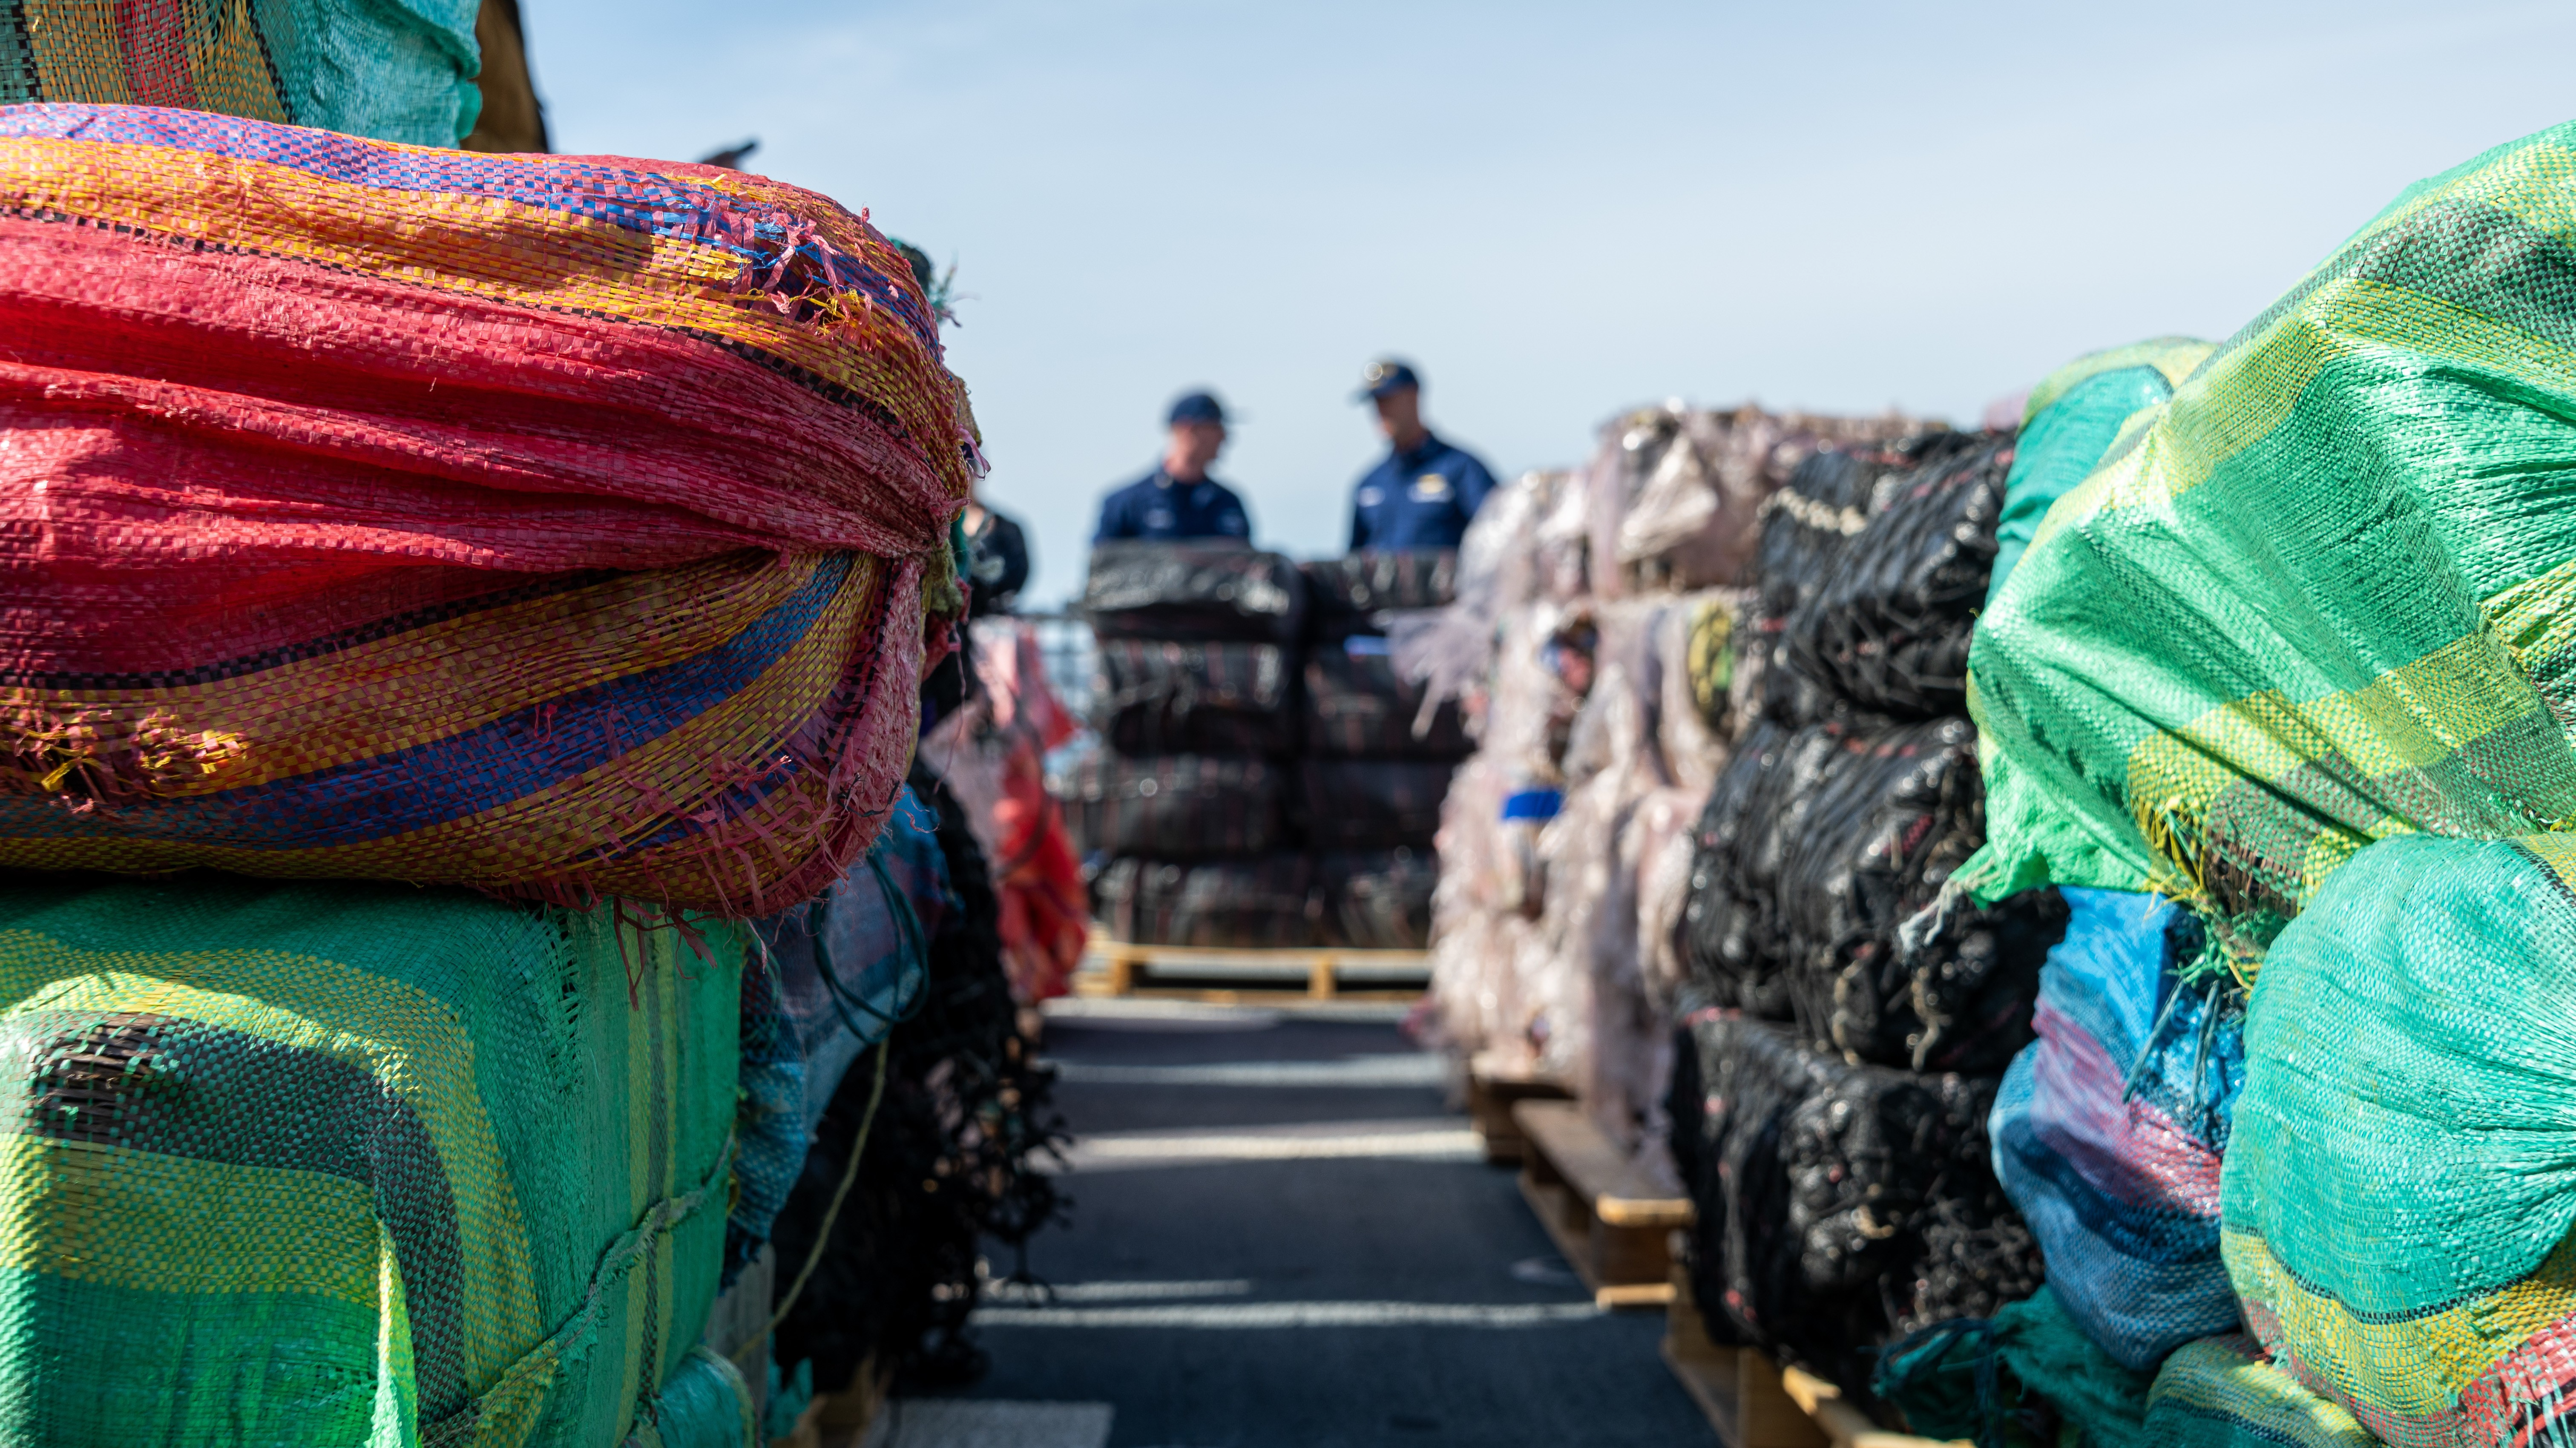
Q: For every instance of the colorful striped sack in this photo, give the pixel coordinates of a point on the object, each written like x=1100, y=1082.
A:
x=552, y=525
x=2328, y=594
x=2399, y=1196
x=2224, y=1392
x=2110, y=1128
x=397, y=72
x=327, y=1163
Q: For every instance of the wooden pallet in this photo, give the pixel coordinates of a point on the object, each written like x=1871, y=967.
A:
x=1605, y=1215
x=1492, y=1091
x=1751, y=1401
x=1122, y=968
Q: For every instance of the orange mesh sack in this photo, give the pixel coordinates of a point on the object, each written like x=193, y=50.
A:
x=558, y=526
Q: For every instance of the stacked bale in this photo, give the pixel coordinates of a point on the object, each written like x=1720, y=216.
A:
x=1377, y=751
x=2294, y=658
x=1832, y=1121
x=1183, y=815
x=1580, y=649
x=560, y=541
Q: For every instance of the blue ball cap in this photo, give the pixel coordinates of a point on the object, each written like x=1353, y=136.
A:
x=1386, y=375
x=1195, y=407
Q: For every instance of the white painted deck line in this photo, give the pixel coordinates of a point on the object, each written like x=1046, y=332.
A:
x=1358, y=1071
x=1437, y=1138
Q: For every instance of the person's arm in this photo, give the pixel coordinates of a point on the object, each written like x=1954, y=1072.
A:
x=1114, y=523
x=1359, y=524
x=1475, y=484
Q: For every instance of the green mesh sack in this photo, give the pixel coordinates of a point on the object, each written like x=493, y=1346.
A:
x=2029, y=1378
x=2400, y=1187
x=357, y=1163
x=395, y=70
x=2223, y=1392
x=2072, y=418
x=2323, y=597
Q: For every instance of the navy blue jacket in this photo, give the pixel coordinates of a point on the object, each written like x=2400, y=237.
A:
x=1155, y=507
x=1420, y=499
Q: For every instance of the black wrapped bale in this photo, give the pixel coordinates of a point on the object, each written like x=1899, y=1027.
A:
x=1886, y=634
x=1815, y=847
x=1894, y=811
x=1152, y=696
x=1357, y=706
x=1370, y=804
x=1198, y=591
x=1840, y=1206
x=1346, y=592
x=1805, y=527
x=1262, y=904
x=1735, y=930
x=1176, y=806
x=1380, y=900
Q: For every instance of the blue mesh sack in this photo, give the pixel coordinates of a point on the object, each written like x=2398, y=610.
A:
x=2110, y=1127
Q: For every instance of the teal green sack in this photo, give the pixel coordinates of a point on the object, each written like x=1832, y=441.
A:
x=330, y=1164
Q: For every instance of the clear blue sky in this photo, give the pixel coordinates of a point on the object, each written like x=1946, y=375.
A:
x=1557, y=210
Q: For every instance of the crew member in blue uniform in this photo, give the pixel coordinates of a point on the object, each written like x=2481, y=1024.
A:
x=1179, y=500
x=1425, y=491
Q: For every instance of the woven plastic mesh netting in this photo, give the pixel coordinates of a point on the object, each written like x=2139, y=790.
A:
x=337, y=1163
x=1839, y=1205
x=559, y=525
x=2110, y=1129
x=2225, y=1392
x=2400, y=1187
x=2072, y=418
x=2027, y=1377
x=2322, y=597
x=394, y=70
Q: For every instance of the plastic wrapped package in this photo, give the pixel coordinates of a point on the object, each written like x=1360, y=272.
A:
x=1656, y=848
x=991, y=755
x=1674, y=494
x=1377, y=900
x=1805, y=528
x=1735, y=928
x=1161, y=696
x=1369, y=804
x=1886, y=631
x=1893, y=813
x=1690, y=739
x=1451, y=651
x=1476, y=913
x=1608, y=1041
x=1177, y=806
x=1197, y=590
x=1839, y=1205
x=1359, y=585
x=1257, y=904
x=1357, y=706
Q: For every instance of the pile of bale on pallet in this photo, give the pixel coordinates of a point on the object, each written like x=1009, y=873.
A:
x=1589, y=648
x=1829, y=1108
x=455, y=842
x=1265, y=780
x=2279, y=698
